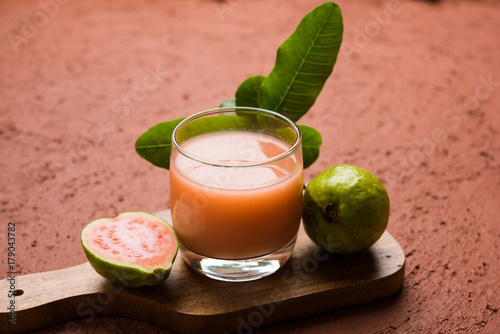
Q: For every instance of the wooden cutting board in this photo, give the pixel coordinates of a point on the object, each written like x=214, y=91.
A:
x=312, y=282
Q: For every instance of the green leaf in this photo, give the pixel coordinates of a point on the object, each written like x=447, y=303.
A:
x=303, y=63
x=311, y=142
x=247, y=94
x=154, y=145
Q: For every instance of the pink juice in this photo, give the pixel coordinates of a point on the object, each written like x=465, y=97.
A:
x=235, y=212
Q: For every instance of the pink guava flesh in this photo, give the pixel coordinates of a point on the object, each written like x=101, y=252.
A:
x=132, y=239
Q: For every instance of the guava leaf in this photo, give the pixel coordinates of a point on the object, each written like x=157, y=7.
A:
x=311, y=142
x=154, y=145
x=303, y=63
x=247, y=94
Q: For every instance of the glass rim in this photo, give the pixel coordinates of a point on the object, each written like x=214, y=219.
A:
x=289, y=151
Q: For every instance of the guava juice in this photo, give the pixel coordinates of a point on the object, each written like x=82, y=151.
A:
x=235, y=212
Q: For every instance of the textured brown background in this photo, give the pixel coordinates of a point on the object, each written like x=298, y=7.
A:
x=414, y=98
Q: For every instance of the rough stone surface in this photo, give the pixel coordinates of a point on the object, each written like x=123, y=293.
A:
x=414, y=98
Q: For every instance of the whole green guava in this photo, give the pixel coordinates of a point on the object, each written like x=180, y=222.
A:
x=345, y=209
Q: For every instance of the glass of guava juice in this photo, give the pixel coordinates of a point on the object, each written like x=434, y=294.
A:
x=236, y=191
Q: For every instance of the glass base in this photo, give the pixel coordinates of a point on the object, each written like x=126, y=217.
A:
x=238, y=270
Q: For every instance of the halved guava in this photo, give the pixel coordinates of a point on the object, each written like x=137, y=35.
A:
x=135, y=248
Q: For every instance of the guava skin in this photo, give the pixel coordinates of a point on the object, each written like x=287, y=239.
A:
x=345, y=209
x=129, y=275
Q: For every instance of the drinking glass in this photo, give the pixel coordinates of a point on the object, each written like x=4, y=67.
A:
x=236, y=191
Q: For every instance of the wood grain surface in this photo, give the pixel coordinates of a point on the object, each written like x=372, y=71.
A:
x=312, y=282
